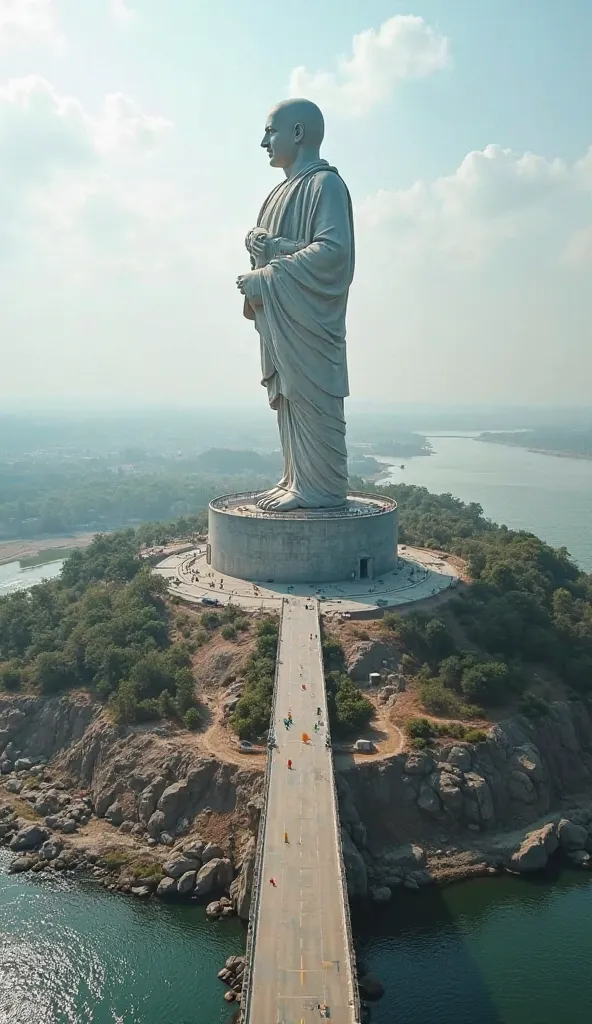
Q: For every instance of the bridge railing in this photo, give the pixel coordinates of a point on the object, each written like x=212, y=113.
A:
x=355, y=995
x=257, y=869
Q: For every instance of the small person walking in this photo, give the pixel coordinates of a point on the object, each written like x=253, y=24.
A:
x=286, y=840
x=290, y=764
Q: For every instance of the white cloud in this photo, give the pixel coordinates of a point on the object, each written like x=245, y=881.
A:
x=69, y=178
x=26, y=21
x=474, y=286
x=403, y=47
x=494, y=196
x=120, y=12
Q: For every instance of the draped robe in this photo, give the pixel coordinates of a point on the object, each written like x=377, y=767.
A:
x=301, y=325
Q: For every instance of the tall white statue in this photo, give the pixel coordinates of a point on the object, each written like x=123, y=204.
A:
x=302, y=259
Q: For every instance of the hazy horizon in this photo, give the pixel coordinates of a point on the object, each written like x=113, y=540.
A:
x=130, y=172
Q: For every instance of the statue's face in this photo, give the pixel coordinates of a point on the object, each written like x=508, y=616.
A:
x=281, y=139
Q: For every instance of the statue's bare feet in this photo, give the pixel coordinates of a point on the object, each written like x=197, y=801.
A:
x=269, y=497
x=284, y=503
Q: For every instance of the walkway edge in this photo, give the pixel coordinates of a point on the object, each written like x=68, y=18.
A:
x=353, y=973
x=256, y=886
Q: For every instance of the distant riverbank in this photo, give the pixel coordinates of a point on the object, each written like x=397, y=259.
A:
x=39, y=550
x=540, y=445
x=535, y=451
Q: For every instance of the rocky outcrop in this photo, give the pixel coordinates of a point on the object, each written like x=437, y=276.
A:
x=535, y=849
x=521, y=772
x=132, y=776
x=368, y=656
x=241, y=887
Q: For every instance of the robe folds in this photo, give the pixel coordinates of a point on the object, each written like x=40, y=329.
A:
x=301, y=325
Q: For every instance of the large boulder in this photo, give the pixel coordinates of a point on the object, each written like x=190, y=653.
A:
x=173, y=801
x=535, y=849
x=224, y=874
x=21, y=864
x=460, y=757
x=477, y=790
x=240, y=889
x=50, y=849
x=210, y=851
x=419, y=763
x=521, y=788
x=156, y=824
x=149, y=798
x=114, y=813
x=368, y=656
x=408, y=857
x=186, y=883
x=29, y=838
x=447, y=786
x=167, y=887
x=427, y=800
x=177, y=866
x=571, y=836
x=206, y=877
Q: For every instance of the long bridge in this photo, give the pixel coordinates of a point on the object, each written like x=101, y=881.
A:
x=300, y=959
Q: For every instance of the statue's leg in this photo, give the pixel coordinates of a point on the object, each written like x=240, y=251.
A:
x=316, y=457
x=269, y=497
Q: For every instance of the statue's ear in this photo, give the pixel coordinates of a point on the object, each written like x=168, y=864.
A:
x=298, y=132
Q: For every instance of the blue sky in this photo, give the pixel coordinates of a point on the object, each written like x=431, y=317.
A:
x=462, y=129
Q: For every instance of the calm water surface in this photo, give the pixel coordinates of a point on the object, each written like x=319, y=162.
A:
x=544, y=494
x=491, y=951
x=72, y=953
x=14, y=577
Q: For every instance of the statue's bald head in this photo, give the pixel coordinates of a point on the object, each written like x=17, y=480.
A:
x=294, y=128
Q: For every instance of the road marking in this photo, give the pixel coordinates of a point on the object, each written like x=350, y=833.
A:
x=301, y=969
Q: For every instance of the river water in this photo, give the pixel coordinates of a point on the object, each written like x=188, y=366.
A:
x=14, y=576
x=72, y=953
x=545, y=494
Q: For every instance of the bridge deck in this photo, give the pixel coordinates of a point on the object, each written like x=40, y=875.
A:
x=302, y=957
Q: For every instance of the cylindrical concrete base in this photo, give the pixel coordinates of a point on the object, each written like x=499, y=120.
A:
x=358, y=541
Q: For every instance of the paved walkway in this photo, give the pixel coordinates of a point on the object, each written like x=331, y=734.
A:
x=421, y=575
x=301, y=958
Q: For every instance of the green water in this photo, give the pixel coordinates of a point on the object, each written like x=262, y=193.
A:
x=491, y=951
x=74, y=954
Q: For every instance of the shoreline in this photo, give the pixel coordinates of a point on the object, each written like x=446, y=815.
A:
x=558, y=454
x=16, y=550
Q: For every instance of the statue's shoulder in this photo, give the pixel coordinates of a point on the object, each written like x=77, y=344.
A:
x=327, y=179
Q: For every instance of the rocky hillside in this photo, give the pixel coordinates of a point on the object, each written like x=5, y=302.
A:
x=153, y=776
x=406, y=819
x=464, y=796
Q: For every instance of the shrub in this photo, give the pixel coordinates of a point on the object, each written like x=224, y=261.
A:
x=192, y=718
x=418, y=743
x=475, y=736
x=419, y=728
x=11, y=676
x=533, y=706
x=333, y=655
x=229, y=632
x=349, y=710
x=241, y=624
x=210, y=620
x=437, y=699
